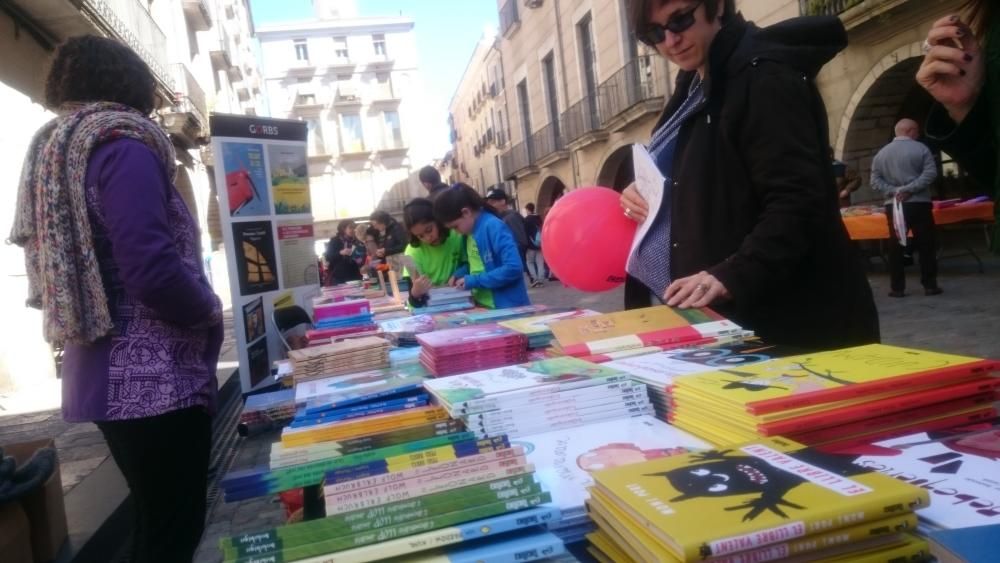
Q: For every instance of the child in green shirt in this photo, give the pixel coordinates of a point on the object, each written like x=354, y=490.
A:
x=436, y=250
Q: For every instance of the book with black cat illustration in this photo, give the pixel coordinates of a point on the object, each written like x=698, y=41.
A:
x=772, y=490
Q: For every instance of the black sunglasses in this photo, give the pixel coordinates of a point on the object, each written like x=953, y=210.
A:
x=654, y=33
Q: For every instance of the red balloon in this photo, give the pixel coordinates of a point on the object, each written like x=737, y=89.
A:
x=586, y=239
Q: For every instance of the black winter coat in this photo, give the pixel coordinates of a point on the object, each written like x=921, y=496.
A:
x=753, y=199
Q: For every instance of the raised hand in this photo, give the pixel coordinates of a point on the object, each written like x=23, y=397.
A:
x=953, y=70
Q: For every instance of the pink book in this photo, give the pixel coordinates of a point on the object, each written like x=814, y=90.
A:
x=341, y=309
x=427, y=470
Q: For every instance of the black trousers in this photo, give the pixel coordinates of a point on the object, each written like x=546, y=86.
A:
x=165, y=461
x=920, y=221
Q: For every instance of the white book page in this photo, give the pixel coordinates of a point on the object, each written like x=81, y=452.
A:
x=649, y=182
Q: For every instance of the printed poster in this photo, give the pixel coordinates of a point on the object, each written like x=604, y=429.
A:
x=253, y=319
x=298, y=254
x=258, y=362
x=289, y=179
x=246, y=180
x=255, y=257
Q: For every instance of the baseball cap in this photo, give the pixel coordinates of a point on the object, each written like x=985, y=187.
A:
x=496, y=193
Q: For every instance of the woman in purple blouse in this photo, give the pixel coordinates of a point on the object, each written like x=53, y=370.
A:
x=113, y=261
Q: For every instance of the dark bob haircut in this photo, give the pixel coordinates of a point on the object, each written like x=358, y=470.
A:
x=449, y=203
x=343, y=226
x=381, y=217
x=430, y=175
x=419, y=211
x=638, y=12
x=88, y=68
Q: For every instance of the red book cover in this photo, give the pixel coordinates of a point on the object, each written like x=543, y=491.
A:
x=475, y=338
x=979, y=415
x=894, y=403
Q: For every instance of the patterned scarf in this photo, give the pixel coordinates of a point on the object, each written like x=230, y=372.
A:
x=52, y=225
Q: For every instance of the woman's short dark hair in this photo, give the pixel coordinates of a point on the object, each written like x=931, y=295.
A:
x=419, y=211
x=88, y=68
x=638, y=12
x=430, y=175
x=343, y=226
x=449, y=203
x=381, y=217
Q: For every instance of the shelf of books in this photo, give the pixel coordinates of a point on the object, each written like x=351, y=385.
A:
x=652, y=435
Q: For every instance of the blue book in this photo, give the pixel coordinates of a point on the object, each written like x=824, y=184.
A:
x=464, y=448
x=335, y=392
x=525, y=545
x=304, y=418
x=970, y=545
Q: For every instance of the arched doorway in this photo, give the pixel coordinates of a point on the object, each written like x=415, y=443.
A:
x=617, y=171
x=551, y=190
x=887, y=94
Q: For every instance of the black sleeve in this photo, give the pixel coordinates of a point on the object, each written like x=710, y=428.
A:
x=971, y=142
x=333, y=249
x=782, y=151
x=395, y=240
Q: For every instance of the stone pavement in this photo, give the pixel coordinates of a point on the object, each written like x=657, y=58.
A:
x=964, y=320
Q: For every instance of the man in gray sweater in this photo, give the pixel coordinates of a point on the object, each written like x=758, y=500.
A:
x=904, y=170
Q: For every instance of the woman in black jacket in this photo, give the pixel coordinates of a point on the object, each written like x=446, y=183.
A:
x=749, y=222
x=393, y=241
x=341, y=259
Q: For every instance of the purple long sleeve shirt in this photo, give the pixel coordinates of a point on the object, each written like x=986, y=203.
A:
x=162, y=352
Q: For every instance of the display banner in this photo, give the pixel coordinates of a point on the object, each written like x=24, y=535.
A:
x=262, y=176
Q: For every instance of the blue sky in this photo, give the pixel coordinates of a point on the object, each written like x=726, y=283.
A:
x=447, y=32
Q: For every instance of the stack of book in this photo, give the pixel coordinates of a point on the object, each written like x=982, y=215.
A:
x=489, y=316
x=306, y=454
x=353, y=315
x=264, y=411
x=763, y=500
x=403, y=331
x=339, y=358
x=344, y=397
x=959, y=466
x=659, y=370
x=536, y=328
x=564, y=460
x=391, y=533
x=642, y=331
x=446, y=300
x=837, y=399
x=539, y=396
x=471, y=348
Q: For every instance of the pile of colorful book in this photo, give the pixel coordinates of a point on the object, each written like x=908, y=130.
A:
x=659, y=370
x=447, y=299
x=403, y=331
x=357, y=395
x=837, y=399
x=264, y=411
x=764, y=500
x=536, y=328
x=354, y=314
x=339, y=358
x=538, y=396
x=471, y=348
x=565, y=459
x=635, y=332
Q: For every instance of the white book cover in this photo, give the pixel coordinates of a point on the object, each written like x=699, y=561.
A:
x=564, y=372
x=649, y=182
x=537, y=427
x=661, y=368
x=961, y=472
x=565, y=459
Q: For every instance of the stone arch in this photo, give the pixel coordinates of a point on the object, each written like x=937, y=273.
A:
x=885, y=95
x=617, y=171
x=552, y=189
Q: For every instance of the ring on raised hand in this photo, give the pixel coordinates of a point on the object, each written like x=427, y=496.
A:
x=628, y=212
x=701, y=287
x=926, y=46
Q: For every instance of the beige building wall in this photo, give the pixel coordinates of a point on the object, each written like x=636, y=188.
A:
x=867, y=87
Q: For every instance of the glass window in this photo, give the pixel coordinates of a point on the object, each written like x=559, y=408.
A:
x=301, y=50
x=316, y=142
x=383, y=85
x=351, y=135
x=340, y=48
x=393, y=132
x=378, y=42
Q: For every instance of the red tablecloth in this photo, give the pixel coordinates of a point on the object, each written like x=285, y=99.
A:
x=875, y=226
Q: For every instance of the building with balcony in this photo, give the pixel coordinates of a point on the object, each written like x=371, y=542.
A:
x=581, y=90
x=577, y=95
x=479, y=120
x=355, y=81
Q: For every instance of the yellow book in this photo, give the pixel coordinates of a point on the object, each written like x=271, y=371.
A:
x=759, y=493
x=909, y=549
x=824, y=377
x=569, y=333
x=620, y=532
x=607, y=547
